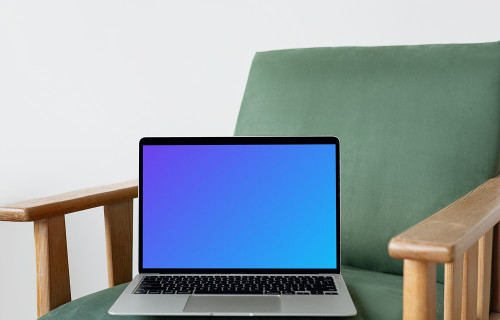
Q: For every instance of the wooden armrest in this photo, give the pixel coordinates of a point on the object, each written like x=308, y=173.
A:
x=43, y=208
x=452, y=230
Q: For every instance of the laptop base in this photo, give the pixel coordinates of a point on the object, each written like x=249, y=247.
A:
x=233, y=305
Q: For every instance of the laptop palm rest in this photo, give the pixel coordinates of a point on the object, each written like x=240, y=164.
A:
x=237, y=304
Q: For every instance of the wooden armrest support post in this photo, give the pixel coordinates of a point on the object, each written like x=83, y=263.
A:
x=52, y=270
x=118, y=228
x=495, y=272
x=53, y=284
x=419, y=290
x=460, y=236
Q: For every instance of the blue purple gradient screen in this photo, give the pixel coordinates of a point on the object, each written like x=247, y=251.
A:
x=239, y=206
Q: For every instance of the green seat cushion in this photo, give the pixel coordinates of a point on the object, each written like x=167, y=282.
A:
x=376, y=296
x=419, y=127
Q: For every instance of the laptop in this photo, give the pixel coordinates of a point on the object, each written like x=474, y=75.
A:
x=238, y=226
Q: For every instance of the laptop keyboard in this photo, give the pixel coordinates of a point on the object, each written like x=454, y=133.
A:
x=290, y=285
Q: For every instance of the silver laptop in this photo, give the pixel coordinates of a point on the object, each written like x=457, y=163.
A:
x=238, y=226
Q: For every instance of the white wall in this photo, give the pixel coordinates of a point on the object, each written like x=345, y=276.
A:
x=82, y=81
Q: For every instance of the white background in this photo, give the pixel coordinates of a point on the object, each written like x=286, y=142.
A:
x=82, y=81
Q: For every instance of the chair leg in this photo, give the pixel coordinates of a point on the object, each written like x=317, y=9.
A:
x=118, y=227
x=53, y=286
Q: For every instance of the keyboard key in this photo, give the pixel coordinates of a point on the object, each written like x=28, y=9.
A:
x=154, y=292
x=168, y=292
x=140, y=291
x=272, y=292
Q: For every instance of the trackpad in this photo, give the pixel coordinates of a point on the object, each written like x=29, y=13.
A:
x=237, y=304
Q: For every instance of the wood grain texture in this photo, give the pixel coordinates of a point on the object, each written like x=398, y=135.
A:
x=484, y=275
x=453, y=277
x=53, y=286
x=451, y=231
x=419, y=290
x=495, y=271
x=469, y=284
x=43, y=208
x=118, y=228
x=495, y=316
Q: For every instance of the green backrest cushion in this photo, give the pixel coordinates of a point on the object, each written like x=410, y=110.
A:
x=419, y=127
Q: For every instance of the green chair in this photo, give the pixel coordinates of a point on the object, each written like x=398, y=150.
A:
x=419, y=128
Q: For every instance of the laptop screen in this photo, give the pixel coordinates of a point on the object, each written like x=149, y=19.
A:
x=245, y=203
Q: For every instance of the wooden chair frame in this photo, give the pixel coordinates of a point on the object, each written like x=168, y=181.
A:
x=52, y=272
x=464, y=236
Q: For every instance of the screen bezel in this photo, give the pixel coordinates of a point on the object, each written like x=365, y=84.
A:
x=239, y=140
